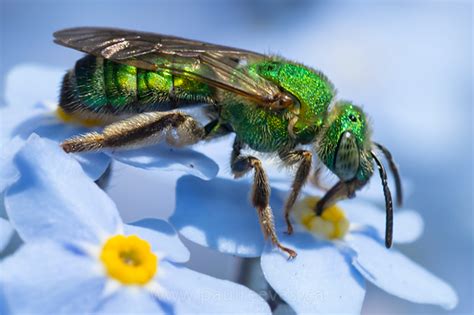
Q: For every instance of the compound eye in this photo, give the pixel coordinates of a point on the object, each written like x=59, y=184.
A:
x=347, y=159
x=352, y=118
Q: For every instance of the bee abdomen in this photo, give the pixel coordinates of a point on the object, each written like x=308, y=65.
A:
x=83, y=88
x=105, y=87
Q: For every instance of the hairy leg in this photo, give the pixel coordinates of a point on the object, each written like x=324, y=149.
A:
x=305, y=159
x=176, y=128
x=240, y=165
x=341, y=190
x=315, y=179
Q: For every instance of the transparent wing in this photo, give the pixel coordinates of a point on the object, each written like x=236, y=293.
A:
x=216, y=65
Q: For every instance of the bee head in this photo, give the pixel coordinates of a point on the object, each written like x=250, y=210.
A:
x=344, y=144
x=346, y=148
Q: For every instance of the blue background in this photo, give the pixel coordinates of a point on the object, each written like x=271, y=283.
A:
x=408, y=63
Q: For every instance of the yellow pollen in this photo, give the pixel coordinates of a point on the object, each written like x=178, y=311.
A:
x=332, y=224
x=129, y=259
x=72, y=119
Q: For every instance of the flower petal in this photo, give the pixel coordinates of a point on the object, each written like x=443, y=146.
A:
x=407, y=225
x=44, y=278
x=55, y=199
x=164, y=157
x=191, y=292
x=14, y=125
x=8, y=172
x=33, y=112
x=6, y=233
x=219, y=150
x=93, y=164
x=46, y=125
x=396, y=274
x=42, y=81
x=320, y=280
x=130, y=300
x=218, y=214
x=162, y=237
x=373, y=191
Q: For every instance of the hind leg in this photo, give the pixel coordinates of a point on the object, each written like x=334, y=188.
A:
x=176, y=128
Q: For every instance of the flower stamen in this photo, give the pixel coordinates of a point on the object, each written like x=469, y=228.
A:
x=332, y=224
x=129, y=259
x=72, y=119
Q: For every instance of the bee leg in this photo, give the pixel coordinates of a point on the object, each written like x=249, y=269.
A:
x=240, y=165
x=214, y=129
x=341, y=190
x=316, y=179
x=177, y=129
x=304, y=158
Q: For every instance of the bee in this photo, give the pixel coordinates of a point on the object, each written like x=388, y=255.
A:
x=139, y=83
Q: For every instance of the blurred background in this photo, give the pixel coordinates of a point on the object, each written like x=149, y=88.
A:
x=409, y=63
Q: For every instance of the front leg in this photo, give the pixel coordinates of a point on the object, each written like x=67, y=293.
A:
x=260, y=192
x=341, y=190
x=177, y=129
x=304, y=158
x=315, y=179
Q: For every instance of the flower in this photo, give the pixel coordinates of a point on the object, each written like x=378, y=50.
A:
x=6, y=232
x=328, y=275
x=8, y=175
x=33, y=111
x=79, y=257
x=37, y=112
x=8, y=172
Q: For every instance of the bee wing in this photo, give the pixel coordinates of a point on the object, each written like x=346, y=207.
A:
x=218, y=66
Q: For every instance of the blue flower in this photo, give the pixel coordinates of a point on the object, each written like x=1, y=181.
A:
x=37, y=112
x=6, y=232
x=8, y=175
x=79, y=257
x=328, y=275
x=34, y=111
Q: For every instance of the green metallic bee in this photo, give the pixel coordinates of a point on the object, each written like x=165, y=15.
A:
x=137, y=81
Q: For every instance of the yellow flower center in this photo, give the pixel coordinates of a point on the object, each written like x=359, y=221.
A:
x=129, y=259
x=71, y=119
x=332, y=224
